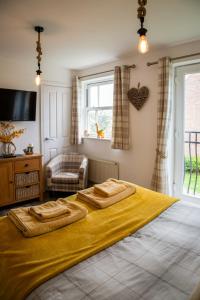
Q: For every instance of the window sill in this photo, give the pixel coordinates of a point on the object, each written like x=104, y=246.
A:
x=96, y=139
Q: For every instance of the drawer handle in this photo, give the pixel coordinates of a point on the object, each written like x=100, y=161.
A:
x=26, y=165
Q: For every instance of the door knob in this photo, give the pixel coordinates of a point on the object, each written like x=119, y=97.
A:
x=49, y=139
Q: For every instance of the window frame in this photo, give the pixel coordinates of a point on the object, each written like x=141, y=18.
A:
x=97, y=82
x=179, y=128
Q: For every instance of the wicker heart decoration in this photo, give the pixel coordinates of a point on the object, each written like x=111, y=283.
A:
x=138, y=96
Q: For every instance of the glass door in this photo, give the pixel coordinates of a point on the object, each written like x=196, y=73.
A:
x=187, y=132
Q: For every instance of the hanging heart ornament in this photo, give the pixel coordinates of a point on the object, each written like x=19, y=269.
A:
x=138, y=96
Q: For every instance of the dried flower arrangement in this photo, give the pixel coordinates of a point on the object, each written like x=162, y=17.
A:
x=7, y=134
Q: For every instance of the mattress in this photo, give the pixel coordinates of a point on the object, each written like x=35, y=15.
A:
x=159, y=261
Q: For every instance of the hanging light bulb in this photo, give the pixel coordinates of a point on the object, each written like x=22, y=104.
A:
x=38, y=29
x=143, y=46
x=37, y=80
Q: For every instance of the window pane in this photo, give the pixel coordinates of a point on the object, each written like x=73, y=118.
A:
x=106, y=95
x=104, y=118
x=93, y=96
x=191, y=162
x=91, y=123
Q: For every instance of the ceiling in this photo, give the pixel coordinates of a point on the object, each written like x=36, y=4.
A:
x=83, y=33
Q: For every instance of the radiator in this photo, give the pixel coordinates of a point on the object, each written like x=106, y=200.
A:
x=101, y=170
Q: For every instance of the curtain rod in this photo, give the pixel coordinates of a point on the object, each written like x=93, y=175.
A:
x=174, y=58
x=131, y=67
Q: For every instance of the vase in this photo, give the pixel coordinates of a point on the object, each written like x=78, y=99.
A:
x=8, y=149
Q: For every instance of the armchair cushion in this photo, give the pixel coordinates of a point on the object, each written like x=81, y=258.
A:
x=65, y=177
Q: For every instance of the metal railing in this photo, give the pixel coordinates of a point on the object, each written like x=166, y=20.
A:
x=192, y=162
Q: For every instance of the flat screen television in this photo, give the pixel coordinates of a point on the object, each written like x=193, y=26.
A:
x=17, y=105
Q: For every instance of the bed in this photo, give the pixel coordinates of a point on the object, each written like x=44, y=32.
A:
x=159, y=261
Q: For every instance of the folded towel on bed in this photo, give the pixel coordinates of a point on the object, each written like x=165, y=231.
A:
x=109, y=188
x=89, y=195
x=49, y=211
x=30, y=226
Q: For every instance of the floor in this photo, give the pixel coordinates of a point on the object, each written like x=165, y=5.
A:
x=47, y=197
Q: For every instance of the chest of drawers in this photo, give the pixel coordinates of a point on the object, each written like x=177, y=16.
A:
x=20, y=179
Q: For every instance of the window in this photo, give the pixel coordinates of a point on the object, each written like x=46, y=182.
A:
x=98, y=107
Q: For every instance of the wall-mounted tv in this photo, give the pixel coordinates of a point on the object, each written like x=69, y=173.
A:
x=17, y=105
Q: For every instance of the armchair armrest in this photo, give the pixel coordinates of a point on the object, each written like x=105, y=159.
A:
x=53, y=166
x=83, y=166
x=83, y=170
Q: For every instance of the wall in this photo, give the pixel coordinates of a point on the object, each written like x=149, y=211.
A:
x=20, y=74
x=136, y=164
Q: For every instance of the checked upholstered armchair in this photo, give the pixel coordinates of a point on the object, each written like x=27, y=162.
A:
x=67, y=173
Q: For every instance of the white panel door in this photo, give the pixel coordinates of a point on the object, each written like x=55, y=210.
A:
x=55, y=120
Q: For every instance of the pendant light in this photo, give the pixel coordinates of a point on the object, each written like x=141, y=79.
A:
x=143, y=46
x=38, y=29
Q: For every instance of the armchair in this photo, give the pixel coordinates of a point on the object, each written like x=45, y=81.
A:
x=67, y=172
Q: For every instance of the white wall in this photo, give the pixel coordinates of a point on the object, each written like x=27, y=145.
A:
x=136, y=164
x=16, y=74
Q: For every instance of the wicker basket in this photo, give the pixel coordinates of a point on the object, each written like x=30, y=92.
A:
x=28, y=192
x=26, y=178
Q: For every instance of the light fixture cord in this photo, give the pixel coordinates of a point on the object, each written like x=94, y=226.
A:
x=141, y=11
x=39, y=50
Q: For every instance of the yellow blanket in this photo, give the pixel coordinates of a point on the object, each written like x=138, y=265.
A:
x=30, y=226
x=26, y=263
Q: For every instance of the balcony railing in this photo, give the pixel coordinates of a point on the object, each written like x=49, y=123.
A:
x=192, y=163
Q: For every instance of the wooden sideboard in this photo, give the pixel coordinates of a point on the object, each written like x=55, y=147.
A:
x=20, y=178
